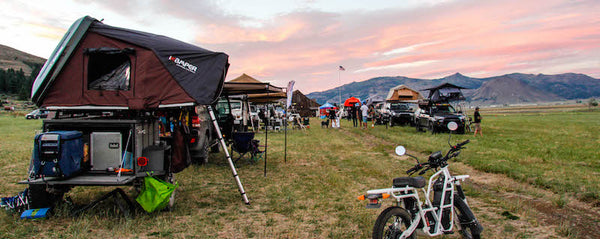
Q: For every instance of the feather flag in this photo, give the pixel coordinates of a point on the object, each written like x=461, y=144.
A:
x=342, y=68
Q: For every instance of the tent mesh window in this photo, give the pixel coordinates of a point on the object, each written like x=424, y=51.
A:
x=108, y=70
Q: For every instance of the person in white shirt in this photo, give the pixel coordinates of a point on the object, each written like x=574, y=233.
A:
x=365, y=112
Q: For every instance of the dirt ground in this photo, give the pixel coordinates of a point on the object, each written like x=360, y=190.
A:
x=538, y=214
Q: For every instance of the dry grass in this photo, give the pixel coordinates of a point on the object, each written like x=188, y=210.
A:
x=313, y=194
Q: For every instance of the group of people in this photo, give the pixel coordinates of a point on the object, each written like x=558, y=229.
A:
x=359, y=115
x=362, y=113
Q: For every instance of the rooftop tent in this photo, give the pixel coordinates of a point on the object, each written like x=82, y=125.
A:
x=374, y=100
x=445, y=92
x=403, y=93
x=96, y=66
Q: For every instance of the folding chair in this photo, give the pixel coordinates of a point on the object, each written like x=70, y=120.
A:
x=243, y=144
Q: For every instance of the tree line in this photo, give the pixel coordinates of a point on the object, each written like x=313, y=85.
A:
x=16, y=83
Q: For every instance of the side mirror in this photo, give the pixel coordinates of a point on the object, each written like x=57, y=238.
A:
x=400, y=150
x=452, y=126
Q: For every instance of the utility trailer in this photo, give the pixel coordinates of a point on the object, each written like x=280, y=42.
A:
x=128, y=98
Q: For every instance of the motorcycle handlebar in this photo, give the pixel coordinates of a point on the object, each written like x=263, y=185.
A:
x=463, y=143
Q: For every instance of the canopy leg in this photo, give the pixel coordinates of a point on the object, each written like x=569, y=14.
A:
x=224, y=146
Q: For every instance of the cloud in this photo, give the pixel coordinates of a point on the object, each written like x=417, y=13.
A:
x=308, y=40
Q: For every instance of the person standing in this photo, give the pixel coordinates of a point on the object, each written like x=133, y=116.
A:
x=332, y=117
x=477, y=120
x=365, y=112
x=353, y=115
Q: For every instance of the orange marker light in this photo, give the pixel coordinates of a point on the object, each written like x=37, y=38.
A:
x=361, y=197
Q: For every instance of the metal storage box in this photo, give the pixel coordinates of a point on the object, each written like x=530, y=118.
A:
x=105, y=150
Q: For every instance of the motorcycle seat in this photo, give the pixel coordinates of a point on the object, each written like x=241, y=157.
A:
x=417, y=182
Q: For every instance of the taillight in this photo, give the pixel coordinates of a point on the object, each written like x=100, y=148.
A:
x=195, y=121
x=193, y=140
x=142, y=161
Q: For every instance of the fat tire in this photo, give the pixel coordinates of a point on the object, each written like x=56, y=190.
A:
x=379, y=229
x=465, y=215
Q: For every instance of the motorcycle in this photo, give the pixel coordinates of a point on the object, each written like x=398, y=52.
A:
x=411, y=211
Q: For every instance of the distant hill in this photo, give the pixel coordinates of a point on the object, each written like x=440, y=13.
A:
x=11, y=58
x=508, y=90
x=505, y=89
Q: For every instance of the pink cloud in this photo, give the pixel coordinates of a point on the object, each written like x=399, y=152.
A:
x=483, y=37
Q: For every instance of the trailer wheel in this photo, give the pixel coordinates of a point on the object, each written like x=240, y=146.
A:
x=39, y=197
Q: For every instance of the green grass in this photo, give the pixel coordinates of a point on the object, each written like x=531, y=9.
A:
x=313, y=194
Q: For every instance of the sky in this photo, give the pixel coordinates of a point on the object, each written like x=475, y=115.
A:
x=307, y=40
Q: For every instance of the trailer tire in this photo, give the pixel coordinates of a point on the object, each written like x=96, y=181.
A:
x=39, y=197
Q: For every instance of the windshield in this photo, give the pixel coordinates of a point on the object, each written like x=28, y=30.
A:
x=443, y=109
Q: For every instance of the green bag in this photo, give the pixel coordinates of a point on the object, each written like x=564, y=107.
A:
x=155, y=194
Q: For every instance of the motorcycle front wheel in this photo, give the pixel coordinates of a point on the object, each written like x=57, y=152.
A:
x=391, y=223
x=469, y=227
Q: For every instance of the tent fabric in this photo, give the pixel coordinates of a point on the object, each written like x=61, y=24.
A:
x=163, y=70
x=351, y=101
x=445, y=92
x=374, y=100
x=246, y=84
x=403, y=93
x=326, y=106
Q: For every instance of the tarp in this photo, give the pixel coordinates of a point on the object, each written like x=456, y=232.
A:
x=445, y=93
x=156, y=70
x=403, y=93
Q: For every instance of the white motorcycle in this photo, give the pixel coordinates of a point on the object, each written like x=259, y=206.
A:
x=410, y=212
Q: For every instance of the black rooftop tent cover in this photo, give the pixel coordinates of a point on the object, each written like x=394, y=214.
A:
x=188, y=72
x=445, y=93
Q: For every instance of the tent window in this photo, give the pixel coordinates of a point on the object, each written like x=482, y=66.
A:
x=109, y=71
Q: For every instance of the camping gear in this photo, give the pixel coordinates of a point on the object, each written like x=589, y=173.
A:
x=403, y=93
x=114, y=194
x=351, y=101
x=105, y=148
x=17, y=203
x=155, y=194
x=244, y=143
x=445, y=93
x=36, y=213
x=180, y=155
x=57, y=154
x=93, y=59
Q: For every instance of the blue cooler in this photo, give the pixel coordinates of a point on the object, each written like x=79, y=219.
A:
x=57, y=154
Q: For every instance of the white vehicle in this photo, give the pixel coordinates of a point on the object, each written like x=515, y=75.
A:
x=413, y=211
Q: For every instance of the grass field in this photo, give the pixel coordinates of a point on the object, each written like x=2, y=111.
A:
x=533, y=166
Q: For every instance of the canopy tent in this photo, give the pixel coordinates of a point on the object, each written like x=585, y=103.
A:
x=258, y=92
x=245, y=85
x=445, y=93
x=374, y=100
x=403, y=93
x=100, y=66
x=351, y=101
x=326, y=106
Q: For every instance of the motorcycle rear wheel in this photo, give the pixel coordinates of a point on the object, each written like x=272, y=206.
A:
x=391, y=223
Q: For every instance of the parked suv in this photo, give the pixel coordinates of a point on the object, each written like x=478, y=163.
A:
x=435, y=116
x=203, y=135
x=401, y=113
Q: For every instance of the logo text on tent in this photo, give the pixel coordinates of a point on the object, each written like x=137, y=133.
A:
x=183, y=64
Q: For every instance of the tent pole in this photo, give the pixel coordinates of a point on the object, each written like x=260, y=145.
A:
x=285, y=144
x=267, y=140
x=224, y=146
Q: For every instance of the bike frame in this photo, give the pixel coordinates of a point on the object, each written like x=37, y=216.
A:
x=436, y=210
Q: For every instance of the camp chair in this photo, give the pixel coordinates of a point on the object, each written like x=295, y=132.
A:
x=245, y=144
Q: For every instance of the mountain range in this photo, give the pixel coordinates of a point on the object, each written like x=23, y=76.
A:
x=11, y=58
x=512, y=88
x=506, y=89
